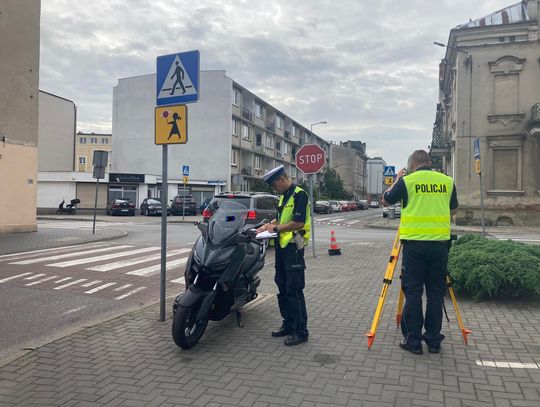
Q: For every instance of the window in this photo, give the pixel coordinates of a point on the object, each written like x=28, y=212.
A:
x=506, y=154
x=278, y=146
x=259, y=110
x=258, y=139
x=294, y=172
x=82, y=160
x=235, y=125
x=287, y=148
x=294, y=131
x=246, y=133
x=236, y=97
x=234, y=157
x=104, y=140
x=258, y=162
x=279, y=122
x=82, y=140
x=269, y=141
x=266, y=203
x=93, y=140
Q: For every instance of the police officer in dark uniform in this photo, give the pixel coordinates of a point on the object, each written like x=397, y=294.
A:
x=429, y=200
x=292, y=227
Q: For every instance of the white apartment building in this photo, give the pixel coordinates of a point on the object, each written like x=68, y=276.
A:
x=375, y=175
x=234, y=137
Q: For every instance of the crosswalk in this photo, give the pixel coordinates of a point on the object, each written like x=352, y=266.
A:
x=336, y=221
x=116, y=271
x=521, y=237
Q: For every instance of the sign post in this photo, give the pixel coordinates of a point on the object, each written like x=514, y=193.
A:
x=177, y=83
x=389, y=174
x=99, y=162
x=310, y=159
x=479, y=172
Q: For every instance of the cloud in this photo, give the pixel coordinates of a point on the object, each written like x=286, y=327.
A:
x=368, y=68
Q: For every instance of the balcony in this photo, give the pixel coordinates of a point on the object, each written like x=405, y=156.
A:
x=258, y=147
x=278, y=154
x=246, y=171
x=246, y=114
x=534, y=123
x=287, y=135
x=271, y=127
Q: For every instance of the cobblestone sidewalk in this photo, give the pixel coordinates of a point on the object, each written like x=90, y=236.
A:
x=132, y=360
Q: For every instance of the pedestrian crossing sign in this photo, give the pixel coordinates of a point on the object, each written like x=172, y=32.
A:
x=177, y=78
x=171, y=124
x=389, y=171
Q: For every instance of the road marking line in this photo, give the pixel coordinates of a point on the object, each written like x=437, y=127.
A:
x=101, y=287
x=63, y=279
x=85, y=260
x=129, y=293
x=91, y=283
x=74, y=310
x=337, y=220
x=13, y=277
x=510, y=365
x=76, y=254
x=72, y=283
x=320, y=219
x=180, y=280
x=138, y=260
x=21, y=255
x=157, y=267
x=41, y=281
x=352, y=222
x=122, y=287
x=35, y=276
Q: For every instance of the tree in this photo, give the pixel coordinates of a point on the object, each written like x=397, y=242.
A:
x=260, y=186
x=333, y=185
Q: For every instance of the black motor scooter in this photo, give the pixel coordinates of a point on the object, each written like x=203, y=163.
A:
x=70, y=209
x=221, y=273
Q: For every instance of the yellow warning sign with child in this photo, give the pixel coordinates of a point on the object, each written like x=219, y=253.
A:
x=171, y=125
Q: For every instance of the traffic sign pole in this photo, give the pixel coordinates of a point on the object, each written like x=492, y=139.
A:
x=312, y=231
x=164, y=201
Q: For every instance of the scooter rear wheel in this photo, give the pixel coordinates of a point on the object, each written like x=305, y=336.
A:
x=187, y=332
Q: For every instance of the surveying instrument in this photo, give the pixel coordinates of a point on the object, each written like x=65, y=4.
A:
x=392, y=262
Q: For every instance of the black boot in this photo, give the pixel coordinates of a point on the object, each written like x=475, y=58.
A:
x=281, y=332
x=294, y=339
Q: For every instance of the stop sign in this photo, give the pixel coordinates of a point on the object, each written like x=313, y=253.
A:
x=310, y=158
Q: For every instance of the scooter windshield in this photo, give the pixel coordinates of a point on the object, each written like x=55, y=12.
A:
x=226, y=222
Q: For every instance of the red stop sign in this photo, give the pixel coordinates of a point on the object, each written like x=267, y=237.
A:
x=310, y=158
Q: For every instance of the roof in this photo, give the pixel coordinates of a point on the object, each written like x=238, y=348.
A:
x=515, y=13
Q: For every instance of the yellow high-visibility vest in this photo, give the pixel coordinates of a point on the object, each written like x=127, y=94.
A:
x=427, y=214
x=287, y=215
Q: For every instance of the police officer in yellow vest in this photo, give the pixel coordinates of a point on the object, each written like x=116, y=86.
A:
x=429, y=200
x=292, y=227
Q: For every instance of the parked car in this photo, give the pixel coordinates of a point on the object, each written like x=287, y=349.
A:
x=374, y=204
x=183, y=205
x=335, y=206
x=322, y=207
x=344, y=206
x=397, y=211
x=362, y=204
x=120, y=206
x=352, y=205
x=152, y=206
x=260, y=205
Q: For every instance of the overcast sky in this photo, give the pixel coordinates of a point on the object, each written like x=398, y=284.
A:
x=367, y=67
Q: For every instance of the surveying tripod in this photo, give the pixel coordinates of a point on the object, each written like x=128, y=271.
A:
x=392, y=262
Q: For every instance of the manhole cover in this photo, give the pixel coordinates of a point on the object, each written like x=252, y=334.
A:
x=325, y=359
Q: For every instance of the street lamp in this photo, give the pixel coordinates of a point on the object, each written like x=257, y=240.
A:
x=469, y=57
x=311, y=195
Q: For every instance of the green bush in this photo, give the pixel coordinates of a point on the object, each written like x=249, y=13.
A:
x=485, y=269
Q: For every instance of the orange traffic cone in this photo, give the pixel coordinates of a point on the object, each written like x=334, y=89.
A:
x=334, y=249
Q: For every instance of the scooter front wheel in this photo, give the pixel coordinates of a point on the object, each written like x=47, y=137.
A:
x=186, y=331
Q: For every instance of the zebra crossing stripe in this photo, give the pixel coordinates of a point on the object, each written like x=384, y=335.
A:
x=138, y=260
x=129, y=293
x=85, y=260
x=13, y=277
x=157, y=267
x=22, y=255
x=180, y=280
x=69, y=284
x=63, y=279
x=123, y=287
x=35, y=276
x=91, y=283
x=68, y=255
x=41, y=281
x=101, y=287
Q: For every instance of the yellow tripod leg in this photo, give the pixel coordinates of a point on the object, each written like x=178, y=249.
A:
x=394, y=255
x=464, y=331
x=399, y=309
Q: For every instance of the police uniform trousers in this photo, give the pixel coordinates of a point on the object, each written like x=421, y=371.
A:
x=423, y=263
x=290, y=279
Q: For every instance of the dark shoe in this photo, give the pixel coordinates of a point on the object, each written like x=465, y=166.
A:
x=433, y=349
x=281, y=332
x=405, y=346
x=295, y=340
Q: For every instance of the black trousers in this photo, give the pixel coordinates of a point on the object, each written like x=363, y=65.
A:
x=424, y=263
x=290, y=279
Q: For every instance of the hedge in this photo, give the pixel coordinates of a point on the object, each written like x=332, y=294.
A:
x=490, y=269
